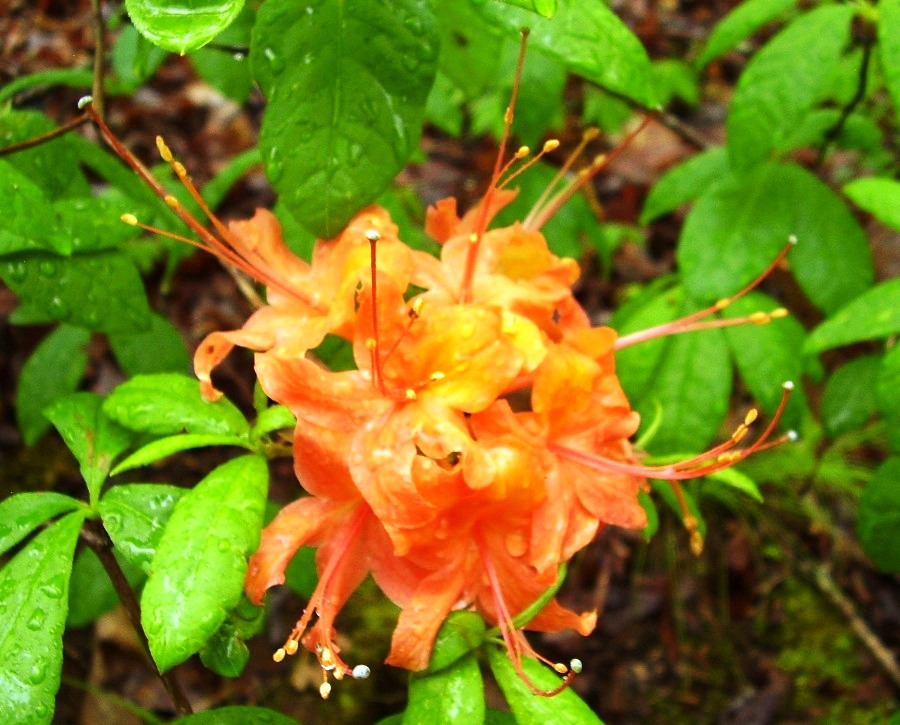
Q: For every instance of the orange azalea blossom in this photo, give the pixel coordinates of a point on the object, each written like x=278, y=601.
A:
x=483, y=438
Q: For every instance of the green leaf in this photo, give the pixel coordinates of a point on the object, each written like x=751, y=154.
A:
x=685, y=182
x=768, y=355
x=167, y=403
x=849, y=399
x=54, y=369
x=665, y=491
x=223, y=68
x=275, y=418
x=197, y=575
x=888, y=391
x=24, y=223
x=889, y=46
x=94, y=439
x=878, y=196
x=226, y=653
x=134, y=515
x=452, y=695
x=737, y=480
x=547, y=8
x=740, y=24
x=566, y=708
x=591, y=41
x=237, y=715
x=169, y=353
x=134, y=59
x=470, y=49
x=24, y=512
x=879, y=516
x=872, y=315
x=34, y=597
x=460, y=634
x=165, y=447
x=784, y=80
x=100, y=291
x=692, y=383
x=649, y=507
x=346, y=86
x=737, y=228
x=182, y=25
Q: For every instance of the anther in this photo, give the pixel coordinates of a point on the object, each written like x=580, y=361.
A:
x=751, y=416
x=792, y=239
x=436, y=376
x=793, y=436
x=417, y=307
x=522, y=152
x=575, y=665
x=361, y=672
x=788, y=385
x=560, y=668
x=473, y=238
x=550, y=145
x=372, y=235
x=371, y=343
x=325, y=690
x=759, y=318
x=164, y=150
x=172, y=202
x=279, y=654
x=180, y=171
x=590, y=133
x=410, y=394
x=778, y=313
x=696, y=543
x=291, y=646
x=129, y=219
x=722, y=303
x=84, y=101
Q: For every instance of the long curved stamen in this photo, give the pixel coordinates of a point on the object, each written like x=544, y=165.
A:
x=549, y=145
x=472, y=251
x=228, y=249
x=541, y=215
x=691, y=323
x=703, y=464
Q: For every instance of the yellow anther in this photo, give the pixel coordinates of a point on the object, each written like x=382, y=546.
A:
x=723, y=303
x=740, y=434
x=751, y=416
x=590, y=133
x=778, y=313
x=339, y=674
x=325, y=690
x=179, y=169
x=410, y=394
x=560, y=668
x=508, y=323
x=279, y=654
x=371, y=343
x=416, y=310
x=760, y=318
x=599, y=160
x=522, y=152
x=508, y=116
x=696, y=543
x=550, y=145
x=291, y=646
x=473, y=238
x=172, y=201
x=436, y=376
x=164, y=150
x=129, y=218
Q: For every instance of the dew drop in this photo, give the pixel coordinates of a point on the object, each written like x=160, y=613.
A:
x=47, y=268
x=276, y=62
x=16, y=271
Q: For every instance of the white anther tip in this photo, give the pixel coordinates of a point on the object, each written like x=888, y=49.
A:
x=372, y=235
x=792, y=239
x=575, y=665
x=793, y=436
x=361, y=672
x=83, y=101
x=788, y=385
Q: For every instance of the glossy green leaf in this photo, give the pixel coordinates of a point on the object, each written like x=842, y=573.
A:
x=591, y=41
x=872, y=315
x=94, y=439
x=784, y=80
x=197, y=575
x=165, y=447
x=888, y=392
x=768, y=355
x=34, y=596
x=879, y=516
x=162, y=337
x=499, y=717
x=72, y=77
x=646, y=502
x=92, y=224
x=460, y=634
x=135, y=59
x=744, y=20
x=135, y=515
x=737, y=228
x=24, y=223
x=100, y=291
x=685, y=182
x=547, y=8
x=889, y=46
x=225, y=653
x=237, y=715
x=344, y=115
x=167, y=403
x=182, y=25
x=734, y=479
x=849, y=399
x=878, y=196
x=566, y=708
x=453, y=695
x=664, y=490
x=274, y=418
x=54, y=369
x=24, y=512
x=470, y=49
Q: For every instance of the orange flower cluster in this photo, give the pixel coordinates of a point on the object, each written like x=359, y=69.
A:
x=481, y=441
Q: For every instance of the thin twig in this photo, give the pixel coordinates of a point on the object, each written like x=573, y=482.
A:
x=99, y=57
x=45, y=137
x=94, y=535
